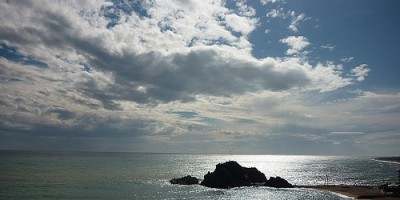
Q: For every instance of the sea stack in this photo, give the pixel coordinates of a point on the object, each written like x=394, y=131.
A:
x=278, y=182
x=187, y=180
x=230, y=174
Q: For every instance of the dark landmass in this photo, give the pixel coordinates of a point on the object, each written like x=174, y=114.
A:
x=390, y=159
x=230, y=174
x=278, y=182
x=187, y=180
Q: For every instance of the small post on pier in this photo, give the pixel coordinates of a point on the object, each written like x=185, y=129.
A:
x=398, y=181
x=326, y=179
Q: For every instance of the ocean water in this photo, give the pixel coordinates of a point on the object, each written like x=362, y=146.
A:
x=83, y=175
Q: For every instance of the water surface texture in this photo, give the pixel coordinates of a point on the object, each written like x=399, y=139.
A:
x=82, y=175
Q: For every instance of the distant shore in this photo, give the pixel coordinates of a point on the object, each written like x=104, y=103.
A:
x=357, y=192
x=389, y=159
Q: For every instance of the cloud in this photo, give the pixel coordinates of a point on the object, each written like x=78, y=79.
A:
x=245, y=10
x=265, y=2
x=329, y=47
x=355, y=118
x=296, y=21
x=346, y=133
x=61, y=112
x=274, y=13
x=171, y=55
x=361, y=72
x=160, y=58
x=165, y=73
x=239, y=24
x=349, y=59
x=296, y=44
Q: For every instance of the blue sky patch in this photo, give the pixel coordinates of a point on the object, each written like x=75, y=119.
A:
x=185, y=114
x=12, y=54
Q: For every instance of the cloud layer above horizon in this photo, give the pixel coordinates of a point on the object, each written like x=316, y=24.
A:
x=178, y=76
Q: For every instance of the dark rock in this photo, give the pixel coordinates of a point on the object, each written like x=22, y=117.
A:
x=187, y=180
x=230, y=174
x=255, y=176
x=278, y=182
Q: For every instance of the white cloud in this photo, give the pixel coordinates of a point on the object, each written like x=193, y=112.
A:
x=244, y=9
x=329, y=47
x=274, y=13
x=357, y=118
x=348, y=59
x=296, y=44
x=158, y=53
x=361, y=72
x=172, y=36
x=296, y=21
x=265, y=2
x=191, y=55
x=240, y=24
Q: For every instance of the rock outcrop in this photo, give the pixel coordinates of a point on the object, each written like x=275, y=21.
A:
x=230, y=174
x=278, y=182
x=187, y=180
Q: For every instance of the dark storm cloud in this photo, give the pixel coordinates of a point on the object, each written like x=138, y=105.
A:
x=62, y=113
x=88, y=132
x=83, y=126
x=179, y=77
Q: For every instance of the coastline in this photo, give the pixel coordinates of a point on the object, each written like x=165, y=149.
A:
x=356, y=192
x=388, y=159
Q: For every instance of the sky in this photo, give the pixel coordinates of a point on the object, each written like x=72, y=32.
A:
x=187, y=76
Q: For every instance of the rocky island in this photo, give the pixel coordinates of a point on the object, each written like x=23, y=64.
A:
x=231, y=174
x=186, y=180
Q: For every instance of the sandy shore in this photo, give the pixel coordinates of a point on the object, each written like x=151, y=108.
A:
x=357, y=192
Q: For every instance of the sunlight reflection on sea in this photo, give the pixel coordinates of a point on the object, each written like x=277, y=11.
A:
x=75, y=175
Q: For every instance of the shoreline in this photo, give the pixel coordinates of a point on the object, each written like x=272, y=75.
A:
x=356, y=192
x=388, y=159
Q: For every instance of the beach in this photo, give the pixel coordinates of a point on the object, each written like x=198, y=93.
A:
x=357, y=192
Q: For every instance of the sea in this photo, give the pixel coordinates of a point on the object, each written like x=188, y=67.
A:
x=95, y=175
